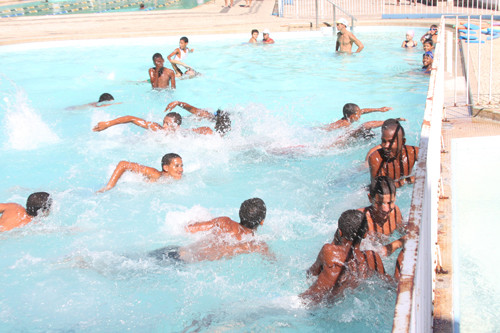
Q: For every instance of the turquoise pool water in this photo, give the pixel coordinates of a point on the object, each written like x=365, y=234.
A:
x=276, y=94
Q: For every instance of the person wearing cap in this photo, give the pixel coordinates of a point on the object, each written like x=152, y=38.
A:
x=267, y=39
x=427, y=60
x=345, y=38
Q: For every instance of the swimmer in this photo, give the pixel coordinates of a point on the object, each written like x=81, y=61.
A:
x=255, y=35
x=266, y=39
x=221, y=118
x=428, y=45
x=171, y=124
x=171, y=167
x=178, y=56
x=13, y=215
x=394, y=158
x=160, y=76
x=427, y=59
x=345, y=38
x=353, y=113
x=341, y=264
x=409, y=43
x=104, y=100
x=431, y=34
x=226, y=238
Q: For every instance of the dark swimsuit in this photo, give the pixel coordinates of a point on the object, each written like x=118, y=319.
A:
x=167, y=253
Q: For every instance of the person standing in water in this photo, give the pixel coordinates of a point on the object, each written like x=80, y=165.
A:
x=160, y=76
x=178, y=57
x=345, y=38
x=15, y=215
x=341, y=264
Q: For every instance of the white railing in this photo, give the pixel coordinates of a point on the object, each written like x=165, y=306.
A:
x=389, y=8
x=413, y=311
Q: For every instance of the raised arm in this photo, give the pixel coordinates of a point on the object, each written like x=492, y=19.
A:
x=192, y=109
x=175, y=52
x=101, y=126
x=382, y=109
x=150, y=173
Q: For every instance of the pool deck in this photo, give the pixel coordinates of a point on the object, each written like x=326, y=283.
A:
x=213, y=18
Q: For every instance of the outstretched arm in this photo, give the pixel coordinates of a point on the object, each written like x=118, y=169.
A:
x=382, y=109
x=101, y=126
x=192, y=109
x=150, y=173
x=201, y=226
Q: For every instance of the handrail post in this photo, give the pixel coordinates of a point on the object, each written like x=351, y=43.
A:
x=316, y=14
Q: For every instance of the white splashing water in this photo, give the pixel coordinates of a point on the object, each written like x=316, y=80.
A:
x=24, y=127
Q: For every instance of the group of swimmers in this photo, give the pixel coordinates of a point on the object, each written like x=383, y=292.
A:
x=339, y=264
x=428, y=41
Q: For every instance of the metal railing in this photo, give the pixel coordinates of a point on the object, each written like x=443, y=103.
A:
x=335, y=7
x=413, y=311
x=389, y=8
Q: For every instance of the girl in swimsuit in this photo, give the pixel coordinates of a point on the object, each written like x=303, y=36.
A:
x=409, y=43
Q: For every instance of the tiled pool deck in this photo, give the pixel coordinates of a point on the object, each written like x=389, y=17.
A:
x=213, y=18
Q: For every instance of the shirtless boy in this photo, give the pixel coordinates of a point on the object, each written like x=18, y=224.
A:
x=179, y=55
x=394, y=158
x=171, y=167
x=160, y=76
x=345, y=38
x=342, y=264
x=171, y=123
x=221, y=118
x=226, y=238
x=255, y=35
x=353, y=113
x=14, y=215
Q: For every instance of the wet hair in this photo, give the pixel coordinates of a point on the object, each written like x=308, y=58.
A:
x=349, y=110
x=157, y=55
x=167, y=159
x=428, y=41
x=105, y=97
x=177, y=117
x=393, y=124
x=252, y=212
x=38, y=201
x=222, y=122
x=433, y=26
x=185, y=39
x=382, y=185
x=351, y=223
x=255, y=30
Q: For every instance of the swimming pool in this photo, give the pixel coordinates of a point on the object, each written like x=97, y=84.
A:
x=90, y=6
x=276, y=95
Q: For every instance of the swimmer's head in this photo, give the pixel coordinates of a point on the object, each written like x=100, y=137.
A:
x=351, y=225
x=105, y=97
x=428, y=45
x=172, y=165
x=427, y=59
x=382, y=185
x=157, y=55
x=38, y=202
x=351, y=112
x=410, y=34
x=183, y=43
x=255, y=31
x=222, y=122
x=172, y=118
x=393, y=138
x=252, y=213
